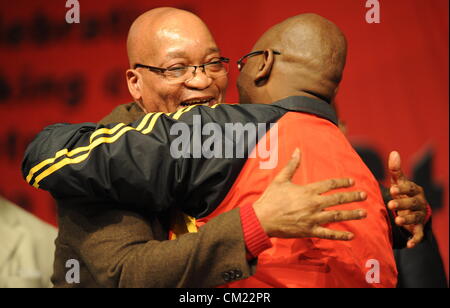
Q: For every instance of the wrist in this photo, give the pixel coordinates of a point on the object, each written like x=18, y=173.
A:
x=255, y=237
x=262, y=217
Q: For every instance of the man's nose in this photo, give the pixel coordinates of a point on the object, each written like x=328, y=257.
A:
x=200, y=80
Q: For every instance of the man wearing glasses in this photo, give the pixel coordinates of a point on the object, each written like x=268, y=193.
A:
x=157, y=87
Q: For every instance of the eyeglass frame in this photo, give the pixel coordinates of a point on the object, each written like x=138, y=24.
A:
x=252, y=54
x=162, y=70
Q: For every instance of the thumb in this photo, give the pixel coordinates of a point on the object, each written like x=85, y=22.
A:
x=288, y=171
x=395, y=168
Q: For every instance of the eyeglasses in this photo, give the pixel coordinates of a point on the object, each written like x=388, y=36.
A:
x=180, y=74
x=242, y=61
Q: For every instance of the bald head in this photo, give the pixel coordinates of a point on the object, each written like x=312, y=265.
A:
x=158, y=26
x=313, y=54
x=170, y=38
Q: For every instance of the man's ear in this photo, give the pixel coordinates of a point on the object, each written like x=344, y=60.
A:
x=134, y=82
x=265, y=68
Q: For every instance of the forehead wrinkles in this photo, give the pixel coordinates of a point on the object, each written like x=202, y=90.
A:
x=176, y=44
x=171, y=35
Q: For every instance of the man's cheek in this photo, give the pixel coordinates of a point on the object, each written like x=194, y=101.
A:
x=224, y=88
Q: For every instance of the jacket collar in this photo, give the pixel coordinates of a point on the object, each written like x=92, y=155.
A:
x=131, y=112
x=309, y=105
x=126, y=113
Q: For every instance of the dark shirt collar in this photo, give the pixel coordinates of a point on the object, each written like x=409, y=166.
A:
x=309, y=105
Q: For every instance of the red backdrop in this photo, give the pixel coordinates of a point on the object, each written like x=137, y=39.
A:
x=394, y=94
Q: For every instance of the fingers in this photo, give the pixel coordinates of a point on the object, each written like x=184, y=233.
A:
x=336, y=216
x=412, y=204
x=327, y=185
x=417, y=236
x=395, y=168
x=288, y=171
x=329, y=234
x=410, y=219
x=340, y=198
x=405, y=188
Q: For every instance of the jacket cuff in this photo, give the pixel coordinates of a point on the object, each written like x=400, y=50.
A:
x=256, y=240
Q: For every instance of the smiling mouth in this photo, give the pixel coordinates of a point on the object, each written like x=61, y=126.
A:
x=198, y=101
